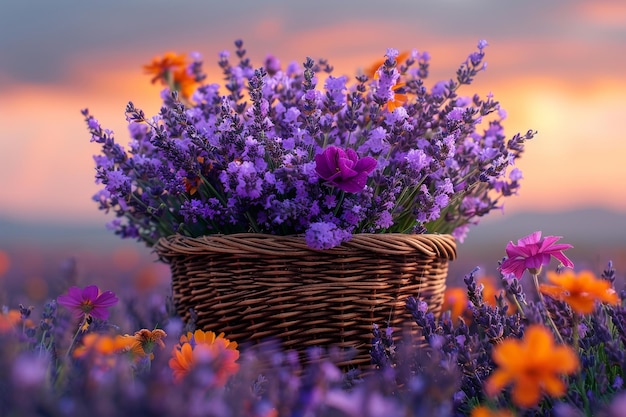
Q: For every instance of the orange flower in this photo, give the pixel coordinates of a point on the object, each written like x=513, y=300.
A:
x=532, y=365
x=101, y=349
x=182, y=361
x=130, y=344
x=482, y=411
x=579, y=291
x=101, y=344
x=142, y=343
x=161, y=66
x=9, y=320
x=371, y=70
x=149, y=338
x=490, y=291
x=207, y=348
x=171, y=70
x=455, y=300
x=399, y=98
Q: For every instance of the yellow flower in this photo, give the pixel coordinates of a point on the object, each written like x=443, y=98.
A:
x=532, y=365
x=579, y=291
x=207, y=348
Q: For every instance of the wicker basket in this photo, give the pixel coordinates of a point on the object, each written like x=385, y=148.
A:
x=254, y=286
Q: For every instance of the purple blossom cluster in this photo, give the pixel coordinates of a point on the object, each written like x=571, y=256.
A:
x=270, y=152
x=442, y=374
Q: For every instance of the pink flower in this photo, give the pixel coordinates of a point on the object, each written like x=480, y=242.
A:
x=532, y=252
x=88, y=302
x=344, y=169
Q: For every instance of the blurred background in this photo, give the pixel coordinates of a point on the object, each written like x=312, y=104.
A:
x=557, y=67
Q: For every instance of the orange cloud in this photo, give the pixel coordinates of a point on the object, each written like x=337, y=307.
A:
x=603, y=12
x=575, y=160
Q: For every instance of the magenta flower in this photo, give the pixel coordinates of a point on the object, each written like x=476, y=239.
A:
x=88, y=302
x=344, y=169
x=532, y=252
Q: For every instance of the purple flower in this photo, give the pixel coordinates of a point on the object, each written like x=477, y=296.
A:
x=323, y=235
x=344, y=169
x=417, y=159
x=532, y=252
x=88, y=302
x=335, y=86
x=272, y=64
x=215, y=165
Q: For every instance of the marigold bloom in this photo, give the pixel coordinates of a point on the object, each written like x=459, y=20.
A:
x=482, y=411
x=344, y=169
x=207, y=348
x=532, y=365
x=160, y=66
x=171, y=70
x=88, y=302
x=532, y=252
x=580, y=291
x=372, y=70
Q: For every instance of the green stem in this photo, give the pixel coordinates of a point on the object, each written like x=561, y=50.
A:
x=543, y=302
x=73, y=342
x=342, y=194
x=575, y=334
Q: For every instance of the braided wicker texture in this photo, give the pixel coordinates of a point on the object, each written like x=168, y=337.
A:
x=254, y=286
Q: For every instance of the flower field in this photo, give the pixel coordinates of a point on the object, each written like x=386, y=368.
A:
x=500, y=349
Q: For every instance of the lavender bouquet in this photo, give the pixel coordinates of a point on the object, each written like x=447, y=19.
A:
x=270, y=152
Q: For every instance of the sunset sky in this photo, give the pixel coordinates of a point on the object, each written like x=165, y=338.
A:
x=558, y=67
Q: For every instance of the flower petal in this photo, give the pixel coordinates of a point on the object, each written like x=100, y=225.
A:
x=531, y=239
x=513, y=266
x=106, y=299
x=366, y=164
x=497, y=381
x=90, y=293
x=526, y=393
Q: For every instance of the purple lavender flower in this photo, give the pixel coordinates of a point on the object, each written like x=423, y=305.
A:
x=323, y=235
x=393, y=155
x=344, y=169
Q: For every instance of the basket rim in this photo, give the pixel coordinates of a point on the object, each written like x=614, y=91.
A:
x=429, y=244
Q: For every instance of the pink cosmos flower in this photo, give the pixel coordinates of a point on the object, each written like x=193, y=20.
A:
x=532, y=252
x=88, y=302
x=344, y=169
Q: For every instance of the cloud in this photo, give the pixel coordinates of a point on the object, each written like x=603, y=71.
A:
x=39, y=38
